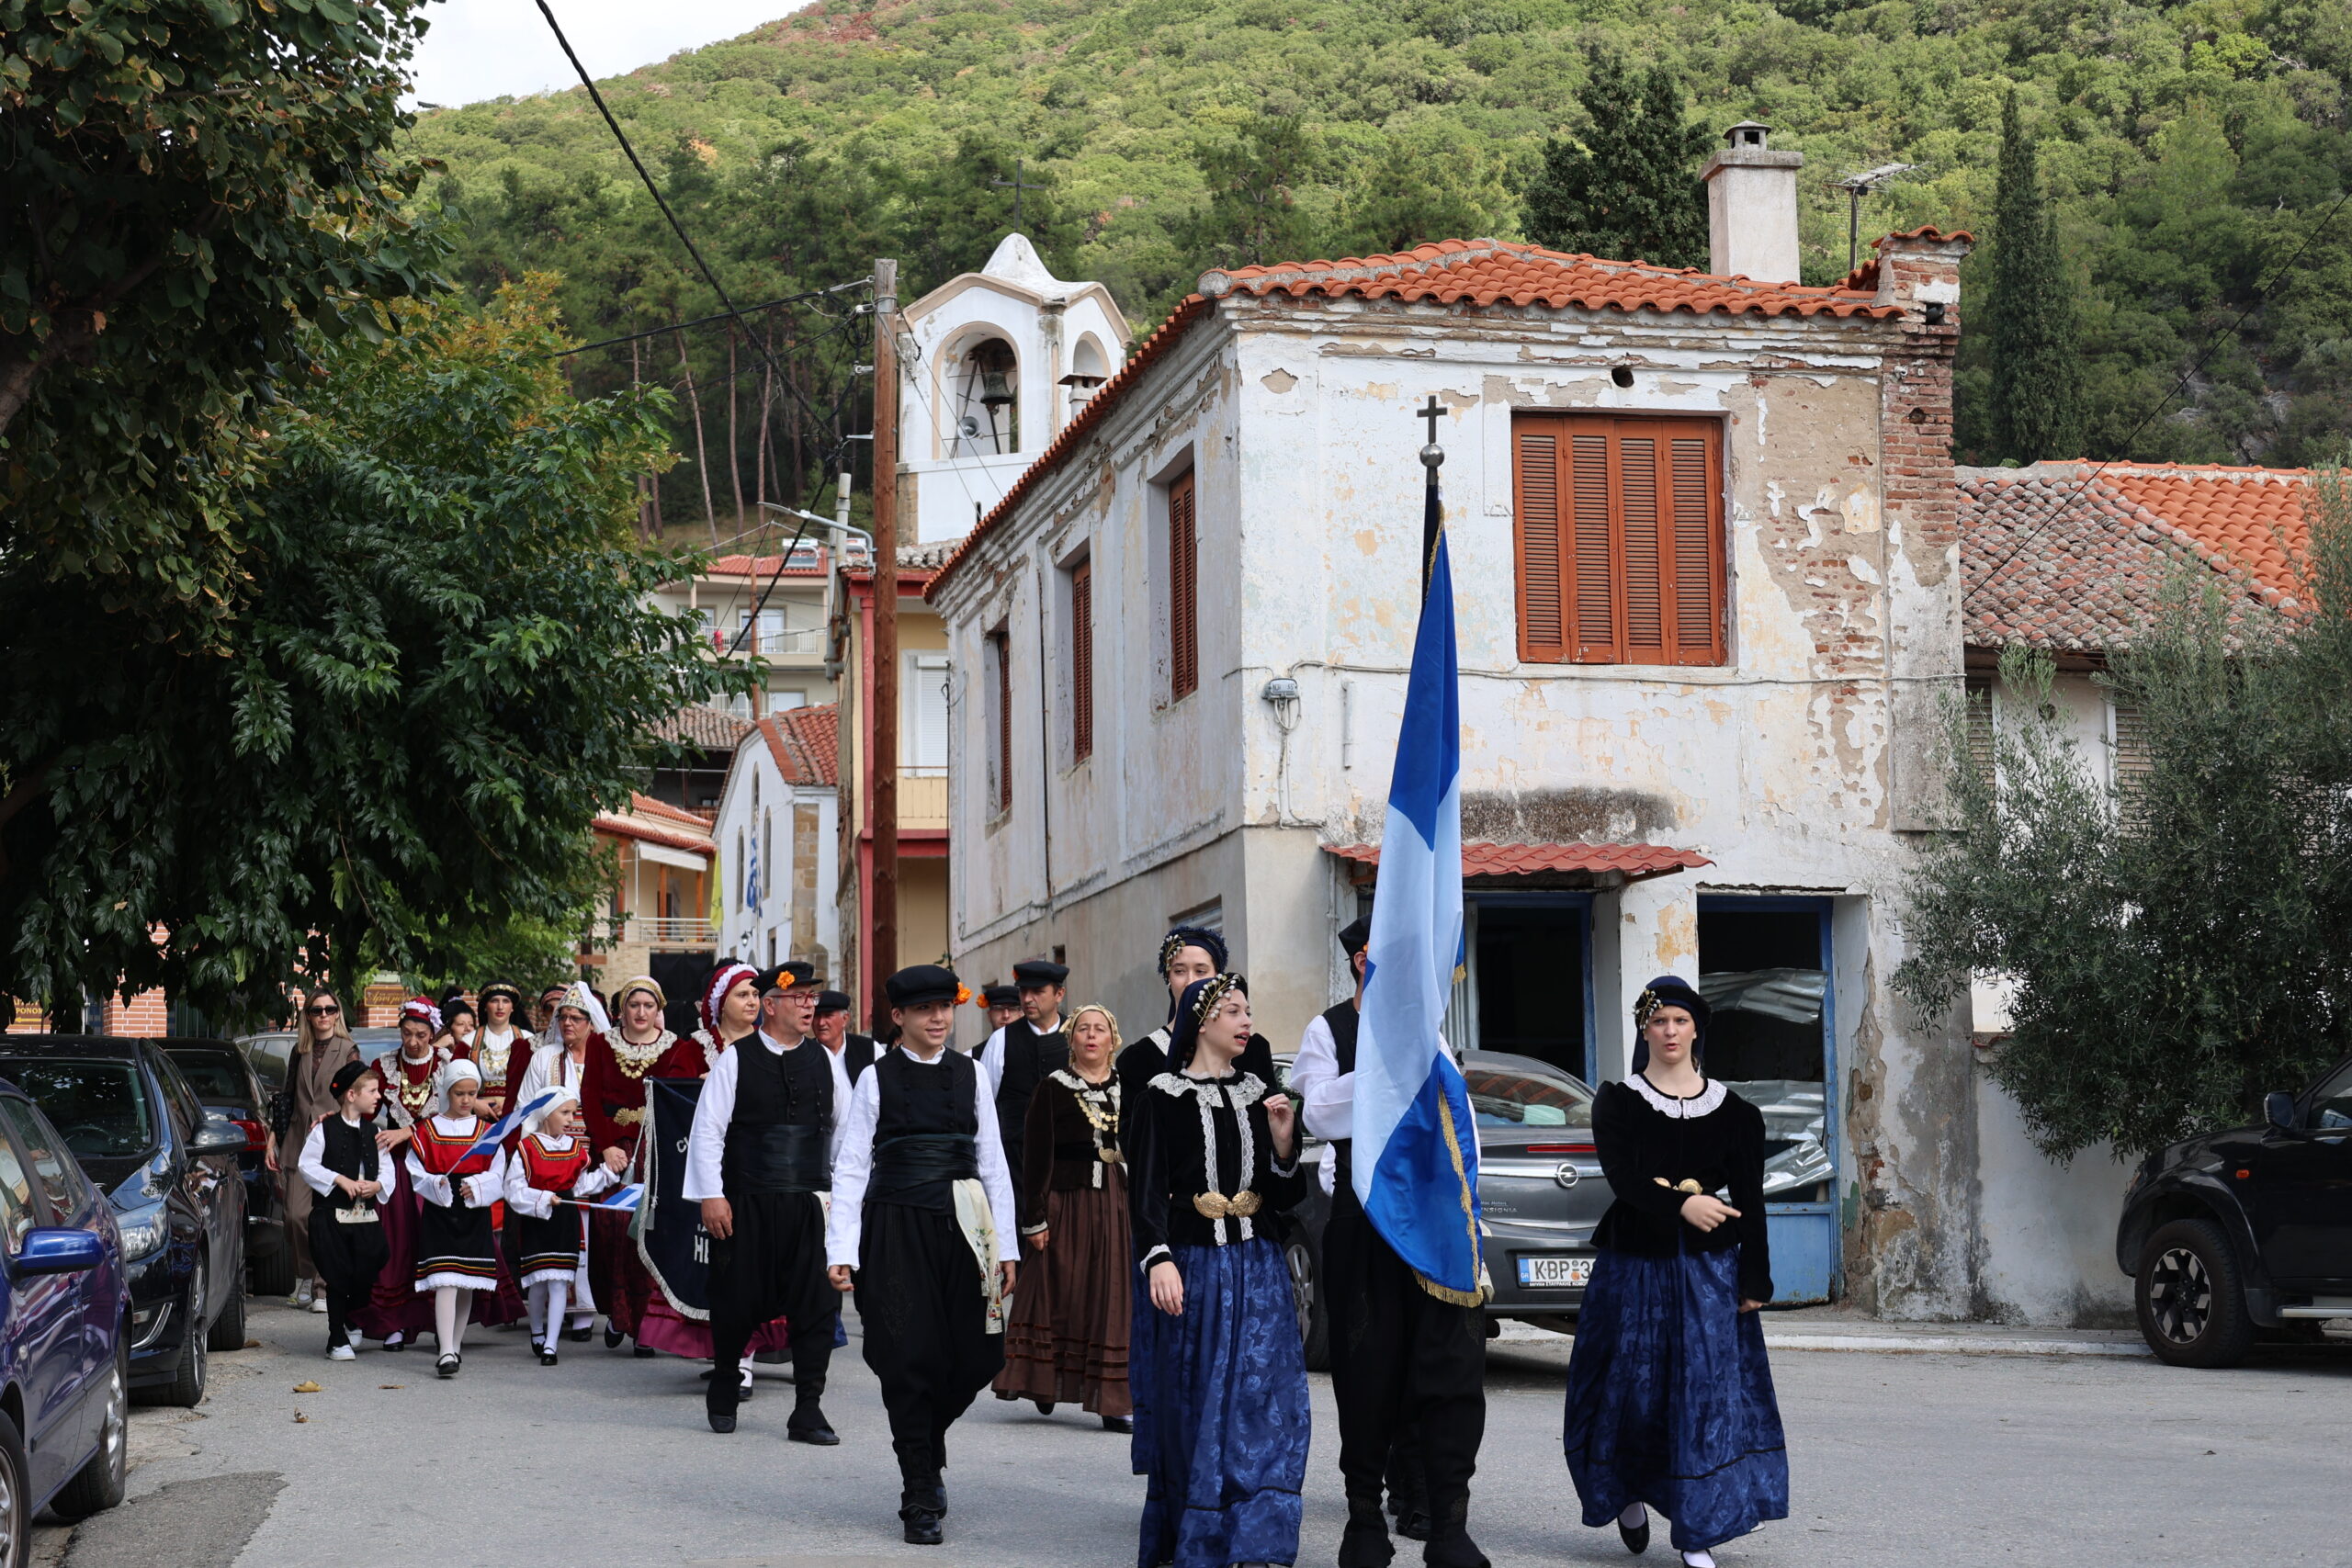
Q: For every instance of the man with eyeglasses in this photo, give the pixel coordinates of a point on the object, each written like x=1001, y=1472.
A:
x=322, y=1046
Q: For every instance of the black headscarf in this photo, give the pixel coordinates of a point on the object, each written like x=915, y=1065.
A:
x=1672, y=991
x=1182, y=936
x=1199, y=998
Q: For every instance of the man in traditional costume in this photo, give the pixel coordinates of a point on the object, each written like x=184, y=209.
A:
x=1018, y=1056
x=759, y=1155
x=921, y=1217
x=1408, y=1369
x=1001, y=1004
x=854, y=1051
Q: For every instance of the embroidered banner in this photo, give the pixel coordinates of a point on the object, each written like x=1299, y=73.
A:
x=670, y=1236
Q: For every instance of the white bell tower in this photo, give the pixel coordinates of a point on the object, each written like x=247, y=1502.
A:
x=1002, y=360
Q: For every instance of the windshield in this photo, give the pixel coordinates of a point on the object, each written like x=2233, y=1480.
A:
x=2332, y=1106
x=215, y=1077
x=101, y=1108
x=1500, y=1097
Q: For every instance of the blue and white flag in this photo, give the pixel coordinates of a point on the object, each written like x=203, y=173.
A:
x=625, y=1199
x=752, y=893
x=1416, y=1161
x=508, y=1122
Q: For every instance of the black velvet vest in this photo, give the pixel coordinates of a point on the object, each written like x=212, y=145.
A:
x=777, y=1140
x=1343, y=1020
x=925, y=1131
x=349, y=1151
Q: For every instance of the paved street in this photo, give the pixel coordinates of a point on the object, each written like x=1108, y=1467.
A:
x=1897, y=1459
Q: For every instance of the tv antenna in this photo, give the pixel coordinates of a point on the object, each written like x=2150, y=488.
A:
x=1857, y=186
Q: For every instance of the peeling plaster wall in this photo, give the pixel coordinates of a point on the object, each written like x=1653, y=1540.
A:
x=1782, y=766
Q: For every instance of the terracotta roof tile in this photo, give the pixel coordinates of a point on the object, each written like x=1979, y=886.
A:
x=2053, y=558
x=806, y=743
x=2253, y=519
x=762, y=566
x=1480, y=859
x=656, y=822
x=705, y=728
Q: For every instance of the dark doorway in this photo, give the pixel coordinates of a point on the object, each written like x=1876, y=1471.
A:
x=1529, y=974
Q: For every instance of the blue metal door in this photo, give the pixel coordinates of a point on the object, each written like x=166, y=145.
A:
x=1765, y=968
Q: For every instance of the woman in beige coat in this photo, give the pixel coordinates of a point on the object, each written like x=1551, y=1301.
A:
x=322, y=1044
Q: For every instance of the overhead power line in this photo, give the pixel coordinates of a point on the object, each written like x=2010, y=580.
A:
x=706, y=320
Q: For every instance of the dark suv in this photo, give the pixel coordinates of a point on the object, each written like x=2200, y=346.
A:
x=169, y=1171
x=2234, y=1233
x=226, y=1086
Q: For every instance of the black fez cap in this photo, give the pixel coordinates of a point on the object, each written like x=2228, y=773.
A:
x=785, y=976
x=832, y=1001
x=923, y=983
x=345, y=1075
x=1001, y=996
x=1039, y=972
x=1355, y=935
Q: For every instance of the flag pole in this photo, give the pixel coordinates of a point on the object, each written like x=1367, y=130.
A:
x=1432, y=509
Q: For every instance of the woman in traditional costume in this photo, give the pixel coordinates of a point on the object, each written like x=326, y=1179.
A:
x=501, y=1045
x=612, y=1097
x=552, y=1163
x=322, y=1047
x=1669, y=1403
x=457, y=1186
x=1067, y=1340
x=1220, y=1400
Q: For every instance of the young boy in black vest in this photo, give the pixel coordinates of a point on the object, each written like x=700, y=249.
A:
x=343, y=1166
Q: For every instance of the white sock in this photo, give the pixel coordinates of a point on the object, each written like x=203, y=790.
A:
x=1697, y=1560
x=1634, y=1517
x=449, y=1319
x=743, y=1374
x=558, y=1297
x=535, y=1299
x=394, y=1338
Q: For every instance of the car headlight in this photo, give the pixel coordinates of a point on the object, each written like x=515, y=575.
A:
x=143, y=1230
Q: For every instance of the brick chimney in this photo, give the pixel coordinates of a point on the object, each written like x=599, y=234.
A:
x=1918, y=273
x=1752, y=206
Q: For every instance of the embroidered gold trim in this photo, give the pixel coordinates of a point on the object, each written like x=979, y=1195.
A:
x=1218, y=1206
x=1688, y=1184
x=635, y=1060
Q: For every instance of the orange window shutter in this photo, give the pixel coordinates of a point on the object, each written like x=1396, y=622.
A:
x=1695, y=538
x=1595, y=549
x=1637, y=500
x=1082, y=662
x=1536, y=474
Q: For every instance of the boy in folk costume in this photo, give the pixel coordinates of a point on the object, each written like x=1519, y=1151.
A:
x=923, y=1214
x=552, y=1163
x=340, y=1163
x=457, y=1249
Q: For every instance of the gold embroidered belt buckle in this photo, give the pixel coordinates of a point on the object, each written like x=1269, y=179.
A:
x=1688, y=1184
x=630, y=1115
x=1109, y=1157
x=1218, y=1206
x=343, y=1216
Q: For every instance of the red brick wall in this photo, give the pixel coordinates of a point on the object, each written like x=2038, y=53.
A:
x=1921, y=491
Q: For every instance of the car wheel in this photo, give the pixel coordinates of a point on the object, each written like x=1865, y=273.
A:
x=1306, y=1292
x=228, y=1328
x=2190, y=1297
x=186, y=1387
x=98, y=1485
x=16, y=1496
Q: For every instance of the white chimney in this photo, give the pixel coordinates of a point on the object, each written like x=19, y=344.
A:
x=1752, y=207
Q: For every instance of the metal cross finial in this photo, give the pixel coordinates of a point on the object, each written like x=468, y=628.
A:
x=1432, y=454
x=1017, y=187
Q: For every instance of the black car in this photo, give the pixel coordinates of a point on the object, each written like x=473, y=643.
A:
x=227, y=1086
x=169, y=1171
x=2233, y=1234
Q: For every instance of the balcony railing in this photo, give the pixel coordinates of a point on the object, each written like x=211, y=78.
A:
x=659, y=931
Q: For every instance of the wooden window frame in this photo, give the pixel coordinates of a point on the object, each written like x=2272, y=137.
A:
x=1183, y=587
x=1081, y=660
x=1598, y=582
x=999, y=645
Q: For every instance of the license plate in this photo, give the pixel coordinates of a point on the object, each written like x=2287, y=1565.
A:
x=1555, y=1272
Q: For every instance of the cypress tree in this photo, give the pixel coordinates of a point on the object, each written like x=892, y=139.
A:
x=1630, y=189
x=2034, y=332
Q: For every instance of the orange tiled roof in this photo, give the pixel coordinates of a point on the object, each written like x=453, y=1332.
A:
x=657, y=822
x=1479, y=859
x=805, y=743
x=705, y=728
x=2253, y=519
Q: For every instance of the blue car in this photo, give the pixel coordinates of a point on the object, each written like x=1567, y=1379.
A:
x=64, y=1340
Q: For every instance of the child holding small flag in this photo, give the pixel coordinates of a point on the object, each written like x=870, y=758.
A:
x=551, y=1164
x=455, y=1183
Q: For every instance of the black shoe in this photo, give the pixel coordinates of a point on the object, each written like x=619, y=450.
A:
x=612, y=1338
x=580, y=1335
x=546, y=1355
x=1413, y=1521
x=1044, y=1406
x=721, y=1420
x=395, y=1346
x=808, y=1425
x=1118, y=1424
x=1449, y=1545
x=644, y=1352
x=922, y=1527
x=447, y=1366
x=1635, y=1537
x=1365, y=1543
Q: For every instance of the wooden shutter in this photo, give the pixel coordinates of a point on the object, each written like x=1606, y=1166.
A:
x=1082, y=662
x=1621, y=540
x=1183, y=597
x=1002, y=647
x=1978, y=691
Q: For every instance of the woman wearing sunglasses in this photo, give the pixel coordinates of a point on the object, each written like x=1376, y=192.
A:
x=323, y=1046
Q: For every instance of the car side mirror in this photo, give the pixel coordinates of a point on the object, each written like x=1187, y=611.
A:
x=55, y=1250
x=2279, y=1109
x=217, y=1135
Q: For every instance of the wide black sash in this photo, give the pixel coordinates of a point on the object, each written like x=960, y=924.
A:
x=777, y=1157
x=918, y=1170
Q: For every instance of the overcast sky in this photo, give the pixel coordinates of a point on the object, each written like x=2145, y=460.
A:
x=485, y=49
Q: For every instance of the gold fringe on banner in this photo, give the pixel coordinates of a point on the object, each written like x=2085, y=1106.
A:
x=1469, y=1215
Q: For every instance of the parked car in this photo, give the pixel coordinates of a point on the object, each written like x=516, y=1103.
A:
x=226, y=1086
x=272, y=1049
x=64, y=1333
x=1540, y=1193
x=2233, y=1234
x=170, y=1172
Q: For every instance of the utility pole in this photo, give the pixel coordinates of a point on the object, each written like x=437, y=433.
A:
x=882, y=913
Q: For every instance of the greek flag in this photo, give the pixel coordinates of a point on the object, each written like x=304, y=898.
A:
x=1415, y=1165
x=507, y=1123
x=625, y=1199
x=752, y=875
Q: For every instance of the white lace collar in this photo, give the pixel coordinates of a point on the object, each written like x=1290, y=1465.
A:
x=1703, y=1104
x=1076, y=1085
x=1238, y=1089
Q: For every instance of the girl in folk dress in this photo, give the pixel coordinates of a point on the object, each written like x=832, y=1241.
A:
x=1068, y=1337
x=1221, y=1405
x=1669, y=1403
x=553, y=1162
x=456, y=1250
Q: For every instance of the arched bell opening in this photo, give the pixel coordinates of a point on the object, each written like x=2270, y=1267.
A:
x=988, y=401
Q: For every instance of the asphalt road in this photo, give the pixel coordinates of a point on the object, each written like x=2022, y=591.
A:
x=1909, y=1460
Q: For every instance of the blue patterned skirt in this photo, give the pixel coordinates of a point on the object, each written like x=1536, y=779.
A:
x=1221, y=1412
x=1670, y=1399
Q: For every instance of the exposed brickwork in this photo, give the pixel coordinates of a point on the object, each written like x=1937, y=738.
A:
x=1919, y=274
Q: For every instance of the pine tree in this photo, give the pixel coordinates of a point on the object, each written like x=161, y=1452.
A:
x=2034, y=334
x=1629, y=190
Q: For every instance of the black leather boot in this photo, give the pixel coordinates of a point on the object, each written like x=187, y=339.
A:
x=807, y=1423
x=1364, y=1543
x=922, y=1499
x=1449, y=1544
x=720, y=1399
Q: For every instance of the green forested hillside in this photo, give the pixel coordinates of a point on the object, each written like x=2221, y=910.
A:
x=2190, y=147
